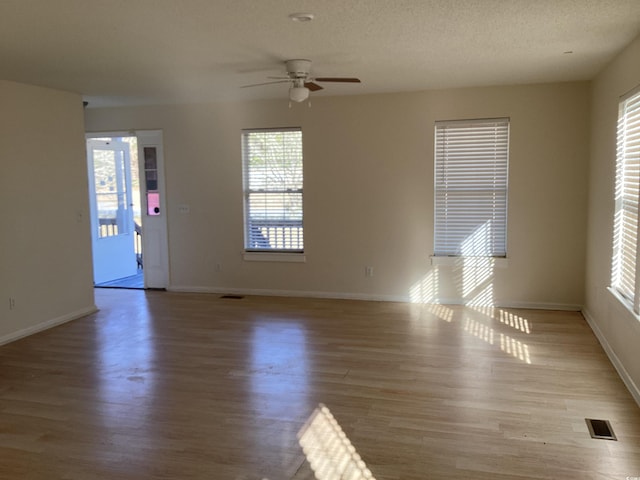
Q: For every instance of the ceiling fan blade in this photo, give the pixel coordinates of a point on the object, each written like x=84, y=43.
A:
x=313, y=86
x=265, y=83
x=337, y=79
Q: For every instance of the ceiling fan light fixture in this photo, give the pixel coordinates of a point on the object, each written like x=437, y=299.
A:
x=301, y=17
x=298, y=94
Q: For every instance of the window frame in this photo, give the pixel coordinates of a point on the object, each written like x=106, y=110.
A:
x=625, y=271
x=283, y=253
x=449, y=188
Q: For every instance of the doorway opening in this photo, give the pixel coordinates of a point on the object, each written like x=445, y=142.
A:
x=116, y=213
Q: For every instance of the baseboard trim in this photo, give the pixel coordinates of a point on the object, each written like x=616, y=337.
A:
x=362, y=296
x=566, y=307
x=289, y=293
x=617, y=364
x=54, y=322
x=569, y=307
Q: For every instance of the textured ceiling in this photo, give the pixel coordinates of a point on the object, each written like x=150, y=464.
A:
x=166, y=51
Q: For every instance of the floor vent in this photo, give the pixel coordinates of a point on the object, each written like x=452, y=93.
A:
x=234, y=297
x=600, y=429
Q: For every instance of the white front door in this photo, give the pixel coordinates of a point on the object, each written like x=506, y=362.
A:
x=112, y=228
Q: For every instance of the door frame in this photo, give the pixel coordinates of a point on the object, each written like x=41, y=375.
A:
x=120, y=244
x=155, y=245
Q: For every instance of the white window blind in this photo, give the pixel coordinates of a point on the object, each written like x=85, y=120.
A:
x=272, y=166
x=471, y=165
x=625, y=248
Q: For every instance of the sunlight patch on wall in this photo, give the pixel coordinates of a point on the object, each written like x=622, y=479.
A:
x=478, y=266
x=474, y=280
x=476, y=273
x=484, y=298
x=425, y=290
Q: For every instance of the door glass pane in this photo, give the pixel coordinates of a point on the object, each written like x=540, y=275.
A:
x=111, y=194
x=151, y=180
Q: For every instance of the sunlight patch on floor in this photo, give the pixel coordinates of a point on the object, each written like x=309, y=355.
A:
x=514, y=321
x=328, y=450
x=508, y=344
x=441, y=311
x=515, y=347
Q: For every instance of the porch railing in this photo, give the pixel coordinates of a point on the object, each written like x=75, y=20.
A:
x=108, y=227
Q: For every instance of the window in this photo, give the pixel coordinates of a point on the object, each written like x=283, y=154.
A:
x=272, y=164
x=471, y=163
x=624, y=278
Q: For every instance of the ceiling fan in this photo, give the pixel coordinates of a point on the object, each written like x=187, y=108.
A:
x=301, y=81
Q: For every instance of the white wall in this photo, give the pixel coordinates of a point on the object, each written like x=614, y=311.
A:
x=369, y=193
x=45, y=249
x=618, y=329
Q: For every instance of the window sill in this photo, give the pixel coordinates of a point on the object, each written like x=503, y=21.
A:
x=498, y=262
x=274, y=257
x=624, y=302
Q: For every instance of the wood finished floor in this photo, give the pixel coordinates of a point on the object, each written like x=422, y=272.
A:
x=163, y=385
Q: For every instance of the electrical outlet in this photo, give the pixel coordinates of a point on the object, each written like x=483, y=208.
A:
x=218, y=267
x=368, y=271
x=12, y=303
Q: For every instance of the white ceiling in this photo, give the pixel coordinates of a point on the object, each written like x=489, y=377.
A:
x=118, y=52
